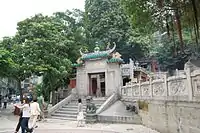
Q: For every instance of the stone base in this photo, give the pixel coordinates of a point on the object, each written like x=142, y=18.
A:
x=91, y=118
x=120, y=119
x=117, y=113
x=46, y=113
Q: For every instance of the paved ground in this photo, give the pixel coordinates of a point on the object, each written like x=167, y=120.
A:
x=8, y=123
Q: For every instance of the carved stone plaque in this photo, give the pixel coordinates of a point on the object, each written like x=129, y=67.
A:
x=177, y=87
x=136, y=91
x=196, y=86
x=145, y=90
x=158, y=89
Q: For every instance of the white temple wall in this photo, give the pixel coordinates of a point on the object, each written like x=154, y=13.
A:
x=82, y=82
x=112, y=76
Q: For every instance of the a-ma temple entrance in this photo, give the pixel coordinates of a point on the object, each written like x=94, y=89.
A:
x=97, y=84
x=98, y=73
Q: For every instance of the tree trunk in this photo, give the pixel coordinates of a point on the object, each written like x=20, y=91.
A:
x=173, y=39
x=20, y=90
x=196, y=36
x=191, y=29
x=179, y=29
x=167, y=26
x=53, y=97
x=196, y=17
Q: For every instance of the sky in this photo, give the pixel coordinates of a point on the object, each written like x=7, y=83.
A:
x=13, y=11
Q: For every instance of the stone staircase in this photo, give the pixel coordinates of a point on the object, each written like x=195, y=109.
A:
x=69, y=111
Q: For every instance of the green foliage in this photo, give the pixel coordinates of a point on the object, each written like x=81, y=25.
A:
x=105, y=21
x=44, y=45
x=49, y=46
x=177, y=18
x=6, y=61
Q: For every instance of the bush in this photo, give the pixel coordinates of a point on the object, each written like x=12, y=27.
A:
x=143, y=105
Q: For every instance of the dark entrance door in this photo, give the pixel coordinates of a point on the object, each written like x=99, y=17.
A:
x=97, y=84
x=94, y=86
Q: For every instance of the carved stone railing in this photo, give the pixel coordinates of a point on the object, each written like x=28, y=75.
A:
x=183, y=87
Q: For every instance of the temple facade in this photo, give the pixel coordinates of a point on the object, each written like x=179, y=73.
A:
x=98, y=73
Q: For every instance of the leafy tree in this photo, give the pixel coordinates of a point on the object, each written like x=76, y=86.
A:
x=50, y=43
x=6, y=62
x=19, y=67
x=177, y=19
x=105, y=21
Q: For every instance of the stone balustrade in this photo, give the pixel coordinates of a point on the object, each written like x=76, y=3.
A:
x=182, y=87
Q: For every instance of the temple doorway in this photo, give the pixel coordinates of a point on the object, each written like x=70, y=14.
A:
x=97, y=84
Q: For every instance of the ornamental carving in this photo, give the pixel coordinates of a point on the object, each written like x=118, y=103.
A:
x=136, y=91
x=129, y=91
x=196, y=86
x=158, y=89
x=177, y=87
x=145, y=90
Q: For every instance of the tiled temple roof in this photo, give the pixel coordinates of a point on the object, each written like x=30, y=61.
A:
x=115, y=60
x=97, y=54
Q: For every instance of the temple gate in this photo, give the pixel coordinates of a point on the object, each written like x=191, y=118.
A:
x=98, y=73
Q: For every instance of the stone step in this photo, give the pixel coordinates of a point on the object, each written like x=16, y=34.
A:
x=64, y=115
x=64, y=118
x=71, y=106
x=94, y=101
x=67, y=112
x=68, y=109
x=76, y=106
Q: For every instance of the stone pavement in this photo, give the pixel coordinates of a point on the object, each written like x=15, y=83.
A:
x=8, y=123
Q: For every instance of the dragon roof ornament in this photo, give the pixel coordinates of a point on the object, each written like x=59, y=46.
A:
x=97, y=53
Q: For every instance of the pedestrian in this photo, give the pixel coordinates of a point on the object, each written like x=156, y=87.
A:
x=41, y=104
x=5, y=101
x=19, y=123
x=0, y=101
x=20, y=117
x=80, y=115
x=26, y=113
x=35, y=112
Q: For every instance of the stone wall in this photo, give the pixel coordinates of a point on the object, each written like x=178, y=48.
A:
x=173, y=102
x=112, y=76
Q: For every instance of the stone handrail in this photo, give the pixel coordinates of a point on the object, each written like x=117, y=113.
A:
x=185, y=87
x=112, y=99
x=61, y=103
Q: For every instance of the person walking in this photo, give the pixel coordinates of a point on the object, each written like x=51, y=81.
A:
x=80, y=115
x=35, y=112
x=41, y=105
x=19, y=123
x=26, y=113
x=0, y=101
x=5, y=101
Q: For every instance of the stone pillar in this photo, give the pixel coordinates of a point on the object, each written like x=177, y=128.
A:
x=117, y=80
x=131, y=69
x=166, y=86
x=151, y=88
x=98, y=82
x=189, y=84
x=140, y=89
x=106, y=82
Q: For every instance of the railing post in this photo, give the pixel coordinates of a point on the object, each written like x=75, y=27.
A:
x=166, y=86
x=140, y=89
x=151, y=88
x=189, y=84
